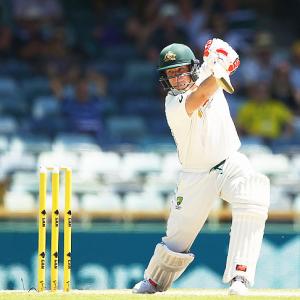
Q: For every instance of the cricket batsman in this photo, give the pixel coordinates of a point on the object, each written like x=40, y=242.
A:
x=212, y=167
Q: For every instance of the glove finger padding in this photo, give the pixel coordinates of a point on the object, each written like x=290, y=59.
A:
x=217, y=48
x=219, y=70
x=217, y=65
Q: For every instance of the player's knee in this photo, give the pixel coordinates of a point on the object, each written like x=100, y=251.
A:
x=179, y=246
x=180, y=242
x=257, y=190
x=256, y=198
x=262, y=194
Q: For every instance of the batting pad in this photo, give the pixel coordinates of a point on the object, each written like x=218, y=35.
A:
x=247, y=229
x=244, y=247
x=166, y=266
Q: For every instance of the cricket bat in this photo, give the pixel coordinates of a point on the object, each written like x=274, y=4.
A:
x=224, y=81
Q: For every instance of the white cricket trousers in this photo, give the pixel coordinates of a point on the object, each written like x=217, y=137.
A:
x=248, y=194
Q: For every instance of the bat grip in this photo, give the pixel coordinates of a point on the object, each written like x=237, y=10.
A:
x=223, y=78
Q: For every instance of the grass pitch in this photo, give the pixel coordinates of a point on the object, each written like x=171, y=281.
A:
x=173, y=294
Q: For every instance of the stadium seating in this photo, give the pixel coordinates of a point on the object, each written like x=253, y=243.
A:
x=19, y=201
x=75, y=202
x=33, y=144
x=141, y=202
x=271, y=164
x=8, y=125
x=134, y=159
x=103, y=201
x=99, y=163
x=134, y=164
x=58, y=158
x=75, y=142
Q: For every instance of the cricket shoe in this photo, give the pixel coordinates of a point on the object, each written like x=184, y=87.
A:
x=144, y=287
x=238, y=286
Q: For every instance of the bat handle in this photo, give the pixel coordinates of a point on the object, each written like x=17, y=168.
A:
x=226, y=85
x=223, y=78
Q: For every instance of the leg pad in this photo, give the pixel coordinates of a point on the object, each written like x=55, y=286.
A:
x=166, y=266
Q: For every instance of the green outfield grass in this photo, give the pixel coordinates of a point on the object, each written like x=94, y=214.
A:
x=173, y=294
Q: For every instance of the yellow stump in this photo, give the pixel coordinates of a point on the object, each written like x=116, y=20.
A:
x=67, y=230
x=42, y=229
x=55, y=229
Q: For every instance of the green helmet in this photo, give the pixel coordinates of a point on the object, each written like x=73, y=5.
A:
x=175, y=55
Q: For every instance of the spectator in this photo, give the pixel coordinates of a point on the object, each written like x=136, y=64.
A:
x=295, y=70
x=137, y=33
x=83, y=113
x=168, y=30
x=97, y=83
x=282, y=87
x=30, y=40
x=6, y=42
x=217, y=25
x=259, y=65
x=29, y=9
x=191, y=19
x=263, y=116
x=63, y=80
x=56, y=48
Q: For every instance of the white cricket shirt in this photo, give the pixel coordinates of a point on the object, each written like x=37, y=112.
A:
x=206, y=137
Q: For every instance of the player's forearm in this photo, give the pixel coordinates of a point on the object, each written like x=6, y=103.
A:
x=201, y=94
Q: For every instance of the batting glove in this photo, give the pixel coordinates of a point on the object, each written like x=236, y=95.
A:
x=218, y=52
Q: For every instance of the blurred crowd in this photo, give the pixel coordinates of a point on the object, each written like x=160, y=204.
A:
x=80, y=76
x=89, y=66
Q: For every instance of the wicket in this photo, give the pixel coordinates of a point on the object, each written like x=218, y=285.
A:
x=55, y=172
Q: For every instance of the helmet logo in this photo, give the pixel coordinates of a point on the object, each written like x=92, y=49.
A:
x=170, y=56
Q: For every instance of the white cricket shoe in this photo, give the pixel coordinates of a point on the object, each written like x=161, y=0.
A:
x=238, y=286
x=144, y=287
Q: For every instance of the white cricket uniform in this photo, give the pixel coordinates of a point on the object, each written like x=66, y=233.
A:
x=207, y=137
x=204, y=140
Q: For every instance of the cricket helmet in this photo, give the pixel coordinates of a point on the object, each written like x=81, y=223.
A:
x=173, y=56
